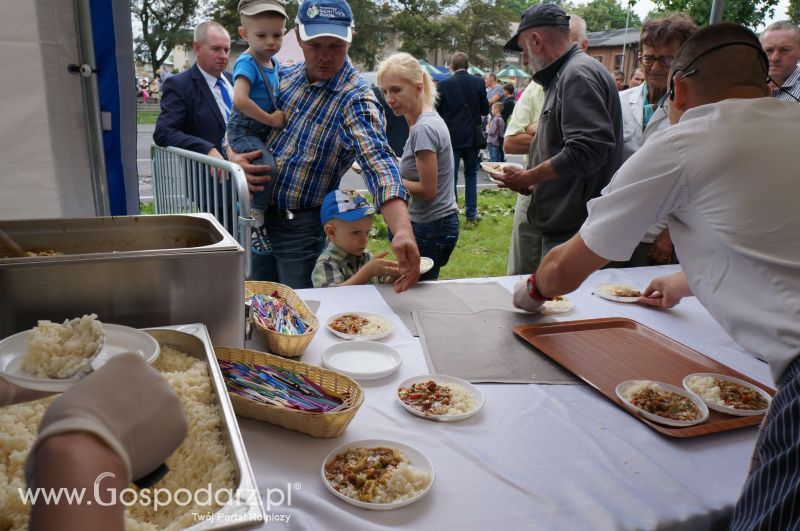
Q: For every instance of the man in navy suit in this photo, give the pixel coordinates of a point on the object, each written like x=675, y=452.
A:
x=462, y=122
x=195, y=104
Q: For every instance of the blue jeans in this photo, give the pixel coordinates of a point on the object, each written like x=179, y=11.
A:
x=296, y=245
x=436, y=240
x=470, y=156
x=495, y=153
x=245, y=144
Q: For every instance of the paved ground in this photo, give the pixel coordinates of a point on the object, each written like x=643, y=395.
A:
x=144, y=135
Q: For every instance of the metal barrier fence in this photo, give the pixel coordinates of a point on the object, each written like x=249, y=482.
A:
x=185, y=182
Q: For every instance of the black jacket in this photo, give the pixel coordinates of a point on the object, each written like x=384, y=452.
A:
x=450, y=106
x=190, y=117
x=580, y=132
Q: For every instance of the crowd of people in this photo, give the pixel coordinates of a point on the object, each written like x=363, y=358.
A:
x=686, y=162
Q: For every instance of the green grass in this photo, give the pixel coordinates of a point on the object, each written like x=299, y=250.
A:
x=482, y=248
x=147, y=208
x=146, y=117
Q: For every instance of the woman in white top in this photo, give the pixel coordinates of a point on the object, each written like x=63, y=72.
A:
x=427, y=161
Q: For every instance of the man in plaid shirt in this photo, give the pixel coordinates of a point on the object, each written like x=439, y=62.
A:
x=333, y=119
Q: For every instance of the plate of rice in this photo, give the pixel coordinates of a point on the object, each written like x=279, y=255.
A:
x=440, y=398
x=360, y=325
x=53, y=357
x=557, y=305
x=378, y=475
x=617, y=292
x=727, y=394
x=662, y=403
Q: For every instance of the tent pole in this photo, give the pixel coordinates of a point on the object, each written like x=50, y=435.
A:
x=717, y=7
x=91, y=105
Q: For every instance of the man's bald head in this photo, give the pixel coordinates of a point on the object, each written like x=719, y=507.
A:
x=722, y=60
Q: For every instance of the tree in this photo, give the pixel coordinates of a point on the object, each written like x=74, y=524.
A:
x=793, y=11
x=518, y=6
x=480, y=29
x=749, y=13
x=419, y=24
x=164, y=25
x=371, y=26
x=603, y=15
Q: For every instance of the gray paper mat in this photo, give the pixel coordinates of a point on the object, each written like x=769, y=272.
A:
x=449, y=296
x=482, y=347
x=256, y=341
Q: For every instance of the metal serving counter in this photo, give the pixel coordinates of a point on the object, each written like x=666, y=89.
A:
x=138, y=271
x=246, y=510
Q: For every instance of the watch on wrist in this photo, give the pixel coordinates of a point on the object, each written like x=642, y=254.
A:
x=533, y=290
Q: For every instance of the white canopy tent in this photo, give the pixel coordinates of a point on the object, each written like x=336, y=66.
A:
x=68, y=141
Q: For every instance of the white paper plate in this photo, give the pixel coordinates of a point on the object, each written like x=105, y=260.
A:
x=362, y=360
x=443, y=380
x=726, y=409
x=417, y=459
x=623, y=387
x=425, y=265
x=552, y=307
x=119, y=339
x=390, y=326
x=606, y=291
x=490, y=167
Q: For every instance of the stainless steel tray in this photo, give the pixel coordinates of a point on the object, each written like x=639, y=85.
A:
x=246, y=510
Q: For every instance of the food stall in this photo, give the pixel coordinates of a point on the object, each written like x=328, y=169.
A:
x=534, y=456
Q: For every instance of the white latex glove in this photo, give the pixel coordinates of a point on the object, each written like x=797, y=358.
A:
x=523, y=300
x=129, y=406
x=13, y=394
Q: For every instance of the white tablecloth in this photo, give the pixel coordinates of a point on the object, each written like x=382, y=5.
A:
x=536, y=456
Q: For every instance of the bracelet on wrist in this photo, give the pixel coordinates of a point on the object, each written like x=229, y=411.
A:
x=533, y=290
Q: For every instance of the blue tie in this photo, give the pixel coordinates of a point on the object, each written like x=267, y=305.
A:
x=225, y=97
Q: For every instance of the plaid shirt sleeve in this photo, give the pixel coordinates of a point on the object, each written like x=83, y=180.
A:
x=327, y=273
x=364, y=130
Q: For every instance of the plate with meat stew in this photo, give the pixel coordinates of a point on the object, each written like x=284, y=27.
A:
x=360, y=325
x=378, y=475
x=663, y=403
x=727, y=394
x=438, y=397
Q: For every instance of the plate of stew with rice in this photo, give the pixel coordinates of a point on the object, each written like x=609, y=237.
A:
x=439, y=397
x=662, y=403
x=727, y=394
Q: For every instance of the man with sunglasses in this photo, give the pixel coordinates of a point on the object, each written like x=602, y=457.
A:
x=723, y=175
x=643, y=114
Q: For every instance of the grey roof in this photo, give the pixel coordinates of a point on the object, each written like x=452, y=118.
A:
x=616, y=37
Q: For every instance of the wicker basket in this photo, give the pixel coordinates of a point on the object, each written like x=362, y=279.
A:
x=329, y=424
x=287, y=345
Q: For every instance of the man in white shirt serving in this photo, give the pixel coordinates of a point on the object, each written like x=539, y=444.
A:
x=723, y=176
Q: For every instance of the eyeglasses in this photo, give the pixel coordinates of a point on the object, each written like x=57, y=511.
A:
x=663, y=60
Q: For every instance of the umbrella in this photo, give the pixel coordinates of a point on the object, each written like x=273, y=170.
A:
x=474, y=70
x=429, y=68
x=512, y=71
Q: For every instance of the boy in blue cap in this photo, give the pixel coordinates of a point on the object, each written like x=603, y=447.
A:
x=347, y=217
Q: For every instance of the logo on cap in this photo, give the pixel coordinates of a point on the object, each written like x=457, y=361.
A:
x=312, y=11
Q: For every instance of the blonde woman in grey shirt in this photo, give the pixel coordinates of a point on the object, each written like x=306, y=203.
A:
x=427, y=161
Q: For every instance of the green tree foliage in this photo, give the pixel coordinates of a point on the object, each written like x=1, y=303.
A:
x=749, y=13
x=480, y=29
x=793, y=11
x=372, y=27
x=602, y=15
x=419, y=24
x=163, y=25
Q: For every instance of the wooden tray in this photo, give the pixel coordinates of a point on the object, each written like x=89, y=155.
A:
x=605, y=352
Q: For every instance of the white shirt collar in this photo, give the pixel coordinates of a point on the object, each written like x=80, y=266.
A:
x=212, y=81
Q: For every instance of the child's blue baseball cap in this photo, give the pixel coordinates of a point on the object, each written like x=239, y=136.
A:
x=325, y=18
x=348, y=205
